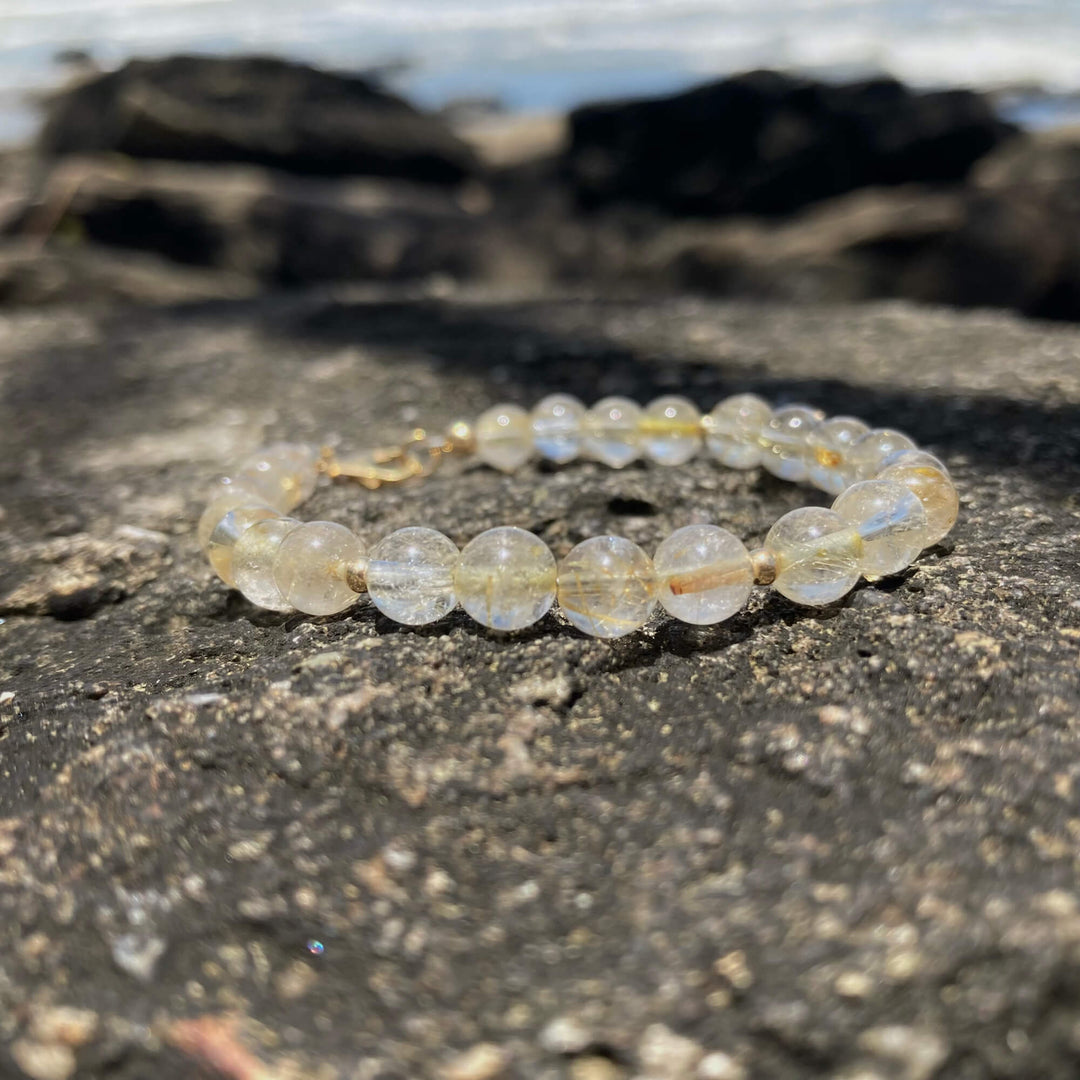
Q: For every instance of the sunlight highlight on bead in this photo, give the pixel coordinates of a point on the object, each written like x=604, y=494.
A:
x=612, y=433
x=670, y=430
x=504, y=437
x=558, y=425
x=607, y=586
x=704, y=574
x=311, y=567
x=505, y=578
x=410, y=575
x=816, y=555
x=891, y=522
x=253, y=562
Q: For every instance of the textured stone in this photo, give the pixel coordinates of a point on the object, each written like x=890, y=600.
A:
x=471, y=836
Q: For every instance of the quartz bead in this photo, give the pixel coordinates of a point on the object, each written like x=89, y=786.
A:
x=868, y=453
x=785, y=451
x=504, y=437
x=223, y=523
x=704, y=574
x=607, y=586
x=225, y=498
x=283, y=474
x=558, y=426
x=253, y=562
x=816, y=555
x=733, y=428
x=312, y=567
x=612, y=431
x=505, y=578
x=670, y=430
x=829, y=444
x=410, y=575
x=891, y=522
x=929, y=481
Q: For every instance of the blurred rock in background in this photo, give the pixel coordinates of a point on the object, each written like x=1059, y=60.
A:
x=768, y=143
x=254, y=109
x=249, y=173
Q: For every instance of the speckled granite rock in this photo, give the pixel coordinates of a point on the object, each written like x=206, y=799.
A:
x=839, y=843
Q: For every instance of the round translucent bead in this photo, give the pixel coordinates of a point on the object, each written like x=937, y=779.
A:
x=253, y=562
x=785, y=450
x=868, y=454
x=891, y=522
x=410, y=575
x=283, y=474
x=829, y=443
x=923, y=457
x=223, y=522
x=225, y=498
x=816, y=555
x=929, y=481
x=505, y=578
x=612, y=431
x=607, y=586
x=558, y=426
x=670, y=430
x=733, y=429
x=312, y=566
x=704, y=574
x=504, y=437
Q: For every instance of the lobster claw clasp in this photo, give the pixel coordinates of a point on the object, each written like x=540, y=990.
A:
x=373, y=468
x=419, y=456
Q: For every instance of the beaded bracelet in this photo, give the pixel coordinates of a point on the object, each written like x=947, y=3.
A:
x=892, y=501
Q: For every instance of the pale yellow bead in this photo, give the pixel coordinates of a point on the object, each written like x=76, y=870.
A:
x=225, y=498
x=891, y=522
x=868, y=453
x=284, y=474
x=612, y=433
x=558, y=425
x=504, y=437
x=929, y=481
x=829, y=443
x=816, y=555
x=312, y=565
x=733, y=430
x=607, y=586
x=505, y=578
x=785, y=451
x=223, y=523
x=670, y=430
x=253, y=562
x=704, y=574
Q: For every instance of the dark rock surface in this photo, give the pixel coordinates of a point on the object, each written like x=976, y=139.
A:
x=770, y=143
x=1037, y=178
x=965, y=247
x=254, y=109
x=266, y=226
x=813, y=192
x=31, y=276
x=234, y=844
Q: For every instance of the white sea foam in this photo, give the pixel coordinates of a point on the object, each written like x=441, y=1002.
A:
x=552, y=53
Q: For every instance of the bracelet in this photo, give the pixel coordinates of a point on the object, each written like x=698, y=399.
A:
x=892, y=501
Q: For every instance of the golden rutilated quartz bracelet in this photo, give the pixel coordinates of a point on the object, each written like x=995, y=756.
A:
x=892, y=500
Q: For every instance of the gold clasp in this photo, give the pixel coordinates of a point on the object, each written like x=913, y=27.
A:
x=420, y=455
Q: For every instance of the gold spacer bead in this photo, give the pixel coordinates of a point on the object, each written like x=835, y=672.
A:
x=356, y=576
x=461, y=436
x=764, y=566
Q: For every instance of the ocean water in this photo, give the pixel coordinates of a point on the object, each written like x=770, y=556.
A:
x=550, y=54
